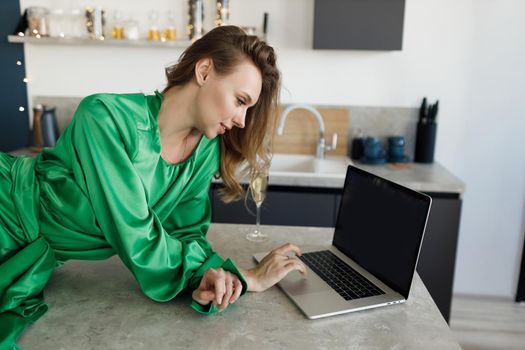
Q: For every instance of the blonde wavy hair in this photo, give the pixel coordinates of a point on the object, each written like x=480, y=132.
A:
x=248, y=150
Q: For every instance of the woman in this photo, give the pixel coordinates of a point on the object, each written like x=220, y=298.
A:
x=130, y=176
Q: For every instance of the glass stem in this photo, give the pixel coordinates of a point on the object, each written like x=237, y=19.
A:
x=258, y=222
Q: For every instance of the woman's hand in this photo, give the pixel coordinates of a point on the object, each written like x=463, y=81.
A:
x=218, y=287
x=273, y=268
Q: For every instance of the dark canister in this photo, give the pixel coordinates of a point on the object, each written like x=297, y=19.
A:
x=357, y=148
x=396, y=147
x=425, y=142
x=426, y=132
x=49, y=127
x=38, y=142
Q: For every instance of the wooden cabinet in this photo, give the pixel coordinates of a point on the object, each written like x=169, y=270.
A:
x=300, y=206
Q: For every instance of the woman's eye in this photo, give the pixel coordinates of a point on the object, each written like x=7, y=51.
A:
x=240, y=102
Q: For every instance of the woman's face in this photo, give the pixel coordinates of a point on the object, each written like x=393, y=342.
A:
x=222, y=101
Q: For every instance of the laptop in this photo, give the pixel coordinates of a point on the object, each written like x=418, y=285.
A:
x=374, y=252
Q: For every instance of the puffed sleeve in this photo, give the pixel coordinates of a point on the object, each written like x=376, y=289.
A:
x=163, y=263
x=192, y=217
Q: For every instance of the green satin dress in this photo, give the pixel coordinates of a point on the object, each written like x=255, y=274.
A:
x=104, y=190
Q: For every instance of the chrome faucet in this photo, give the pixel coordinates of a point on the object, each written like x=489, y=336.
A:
x=321, y=144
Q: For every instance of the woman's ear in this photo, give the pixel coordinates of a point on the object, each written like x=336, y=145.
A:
x=203, y=69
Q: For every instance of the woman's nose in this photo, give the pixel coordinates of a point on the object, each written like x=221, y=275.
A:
x=238, y=120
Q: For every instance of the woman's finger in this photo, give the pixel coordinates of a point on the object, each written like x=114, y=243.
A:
x=288, y=247
x=228, y=291
x=203, y=297
x=295, y=264
x=219, y=286
x=237, y=290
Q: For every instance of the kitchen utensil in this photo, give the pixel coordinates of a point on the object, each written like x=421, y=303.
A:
x=265, y=26
x=423, y=110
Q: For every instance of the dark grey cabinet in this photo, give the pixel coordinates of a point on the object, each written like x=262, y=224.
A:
x=283, y=206
x=359, y=24
x=437, y=259
x=298, y=206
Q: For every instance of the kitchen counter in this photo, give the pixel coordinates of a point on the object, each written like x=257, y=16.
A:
x=98, y=305
x=420, y=177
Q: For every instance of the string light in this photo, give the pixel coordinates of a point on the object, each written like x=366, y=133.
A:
x=21, y=109
x=20, y=34
x=18, y=63
x=25, y=80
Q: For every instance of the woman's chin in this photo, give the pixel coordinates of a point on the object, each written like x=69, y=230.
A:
x=211, y=134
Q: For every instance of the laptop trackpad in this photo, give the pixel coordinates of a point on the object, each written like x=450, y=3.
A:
x=295, y=284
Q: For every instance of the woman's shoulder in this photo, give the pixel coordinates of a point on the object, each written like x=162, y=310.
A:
x=116, y=102
x=123, y=109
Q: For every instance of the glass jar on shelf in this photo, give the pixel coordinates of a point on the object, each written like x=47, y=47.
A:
x=117, y=29
x=195, y=28
x=153, y=31
x=37, y=21
x=222, y=12
x=131, y=29
x=76, y=24
x=170, y=33
x=57, y=23
x=95, y=22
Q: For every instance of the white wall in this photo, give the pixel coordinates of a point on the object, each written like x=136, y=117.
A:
x=467, y=53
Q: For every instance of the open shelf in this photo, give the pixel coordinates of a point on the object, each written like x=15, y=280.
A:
x=86, y=41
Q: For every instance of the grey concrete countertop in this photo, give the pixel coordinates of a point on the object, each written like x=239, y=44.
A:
x=98, y=305
x=420, y=177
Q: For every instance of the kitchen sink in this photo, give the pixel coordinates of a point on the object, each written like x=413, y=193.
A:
x=308, y=165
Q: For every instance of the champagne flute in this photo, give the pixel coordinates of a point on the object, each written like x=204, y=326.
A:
x=258, y=185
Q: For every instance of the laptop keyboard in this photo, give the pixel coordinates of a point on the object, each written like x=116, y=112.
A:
x=337, y=274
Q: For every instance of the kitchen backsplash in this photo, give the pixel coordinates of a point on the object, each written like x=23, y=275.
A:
x=65, y=108
x=383, y=122
x=372, y=121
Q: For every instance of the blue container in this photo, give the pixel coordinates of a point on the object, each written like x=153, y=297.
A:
x=50, y=131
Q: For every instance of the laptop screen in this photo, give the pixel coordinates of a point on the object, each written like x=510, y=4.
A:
x=380, y=226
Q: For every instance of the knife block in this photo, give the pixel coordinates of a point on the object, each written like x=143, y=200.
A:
x=425, y=142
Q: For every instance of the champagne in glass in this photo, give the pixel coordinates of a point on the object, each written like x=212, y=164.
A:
x=258, y=188
x=258, y=185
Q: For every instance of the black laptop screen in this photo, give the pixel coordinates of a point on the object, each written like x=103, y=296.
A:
x=380, y=226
